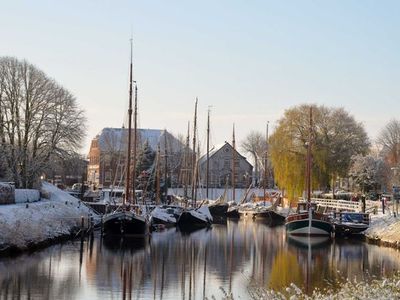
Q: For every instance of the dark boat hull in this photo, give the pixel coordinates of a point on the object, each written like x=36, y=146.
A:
x=188, y=220
x=233, y=213
x=125, y=223
x=348, y=229
x=218, y=210
x=271, y=216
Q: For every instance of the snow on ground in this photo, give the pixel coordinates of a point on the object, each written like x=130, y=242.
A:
x=22, y=225
x=384, y=227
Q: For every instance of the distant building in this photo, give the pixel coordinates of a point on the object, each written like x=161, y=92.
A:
x=220, y=168
x=108, y=151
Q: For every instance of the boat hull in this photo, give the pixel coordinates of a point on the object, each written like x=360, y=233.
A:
x=233, y=212
x=348, y=229
x=301, y=227
x=218, y=210
x=125, y=223
x=271, y=216
x=188, y=220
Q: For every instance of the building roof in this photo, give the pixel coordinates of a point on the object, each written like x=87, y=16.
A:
x=217, y=148
x=115, y=139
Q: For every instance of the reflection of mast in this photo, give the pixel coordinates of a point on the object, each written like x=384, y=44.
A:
x=231, y=263
x=204, y=272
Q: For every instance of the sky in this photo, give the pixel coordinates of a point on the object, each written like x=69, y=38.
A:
x=246, y=61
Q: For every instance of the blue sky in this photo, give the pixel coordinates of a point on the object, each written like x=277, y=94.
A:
x=249, y=60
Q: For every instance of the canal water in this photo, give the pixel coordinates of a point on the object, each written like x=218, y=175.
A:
x=234, y=258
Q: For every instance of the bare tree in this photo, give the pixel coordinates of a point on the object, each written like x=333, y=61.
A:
x=38, y=119
x=389, y=140
x=254, y=144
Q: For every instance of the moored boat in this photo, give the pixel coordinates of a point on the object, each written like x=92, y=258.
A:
x=347, y=223
x=125, y=222
x=199, y=217
x=307, y=221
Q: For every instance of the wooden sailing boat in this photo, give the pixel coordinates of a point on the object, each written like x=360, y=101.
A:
x=270, y=213
x=219, y=207
x=307, y=221
x=124, y=221
x=194, y=217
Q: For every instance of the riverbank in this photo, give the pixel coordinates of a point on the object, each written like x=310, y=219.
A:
x=27, y=226
x=384, y=230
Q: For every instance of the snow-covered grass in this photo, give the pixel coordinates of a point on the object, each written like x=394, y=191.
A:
x=26, y=224
x=386, y=288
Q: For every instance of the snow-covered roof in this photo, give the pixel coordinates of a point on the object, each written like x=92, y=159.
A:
x=116, y=139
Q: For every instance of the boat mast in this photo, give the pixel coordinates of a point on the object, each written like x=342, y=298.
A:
x=158, y=175
x=266, y=164
x=127, y=198
x=134, y=148
x=233, y=162
x=194, y=156
x=208, y=152
x=165, y=165
x=185, y=169
x=309, y=159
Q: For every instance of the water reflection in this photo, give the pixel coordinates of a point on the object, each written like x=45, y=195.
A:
x=230, y=258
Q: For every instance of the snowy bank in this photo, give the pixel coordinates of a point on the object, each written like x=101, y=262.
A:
x=24, y=225
x=384, y=229
x=386, y=288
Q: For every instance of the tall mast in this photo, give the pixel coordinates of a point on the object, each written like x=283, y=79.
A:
x=128, y=163
x=186, y=163
x=158, y=175
x=194, y=155
x=165, y=165
x=134, y=149
x=266, y=164
x=208, y=153
x=233, y=162
x=309, y=158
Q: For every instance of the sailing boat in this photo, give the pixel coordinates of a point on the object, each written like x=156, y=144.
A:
x=269, y=213
x=307, y=221
x=195, y=217
x=124, y=221
x=219, y=207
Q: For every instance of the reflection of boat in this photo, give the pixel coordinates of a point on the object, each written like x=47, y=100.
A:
x=347, y=223
x=307, y=221
x=305, y=241
x=122, y=243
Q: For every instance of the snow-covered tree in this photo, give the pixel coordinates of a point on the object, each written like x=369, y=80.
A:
x=369, y=173
x=39, y=119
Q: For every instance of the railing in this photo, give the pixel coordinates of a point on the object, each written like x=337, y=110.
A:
x=339, y=204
